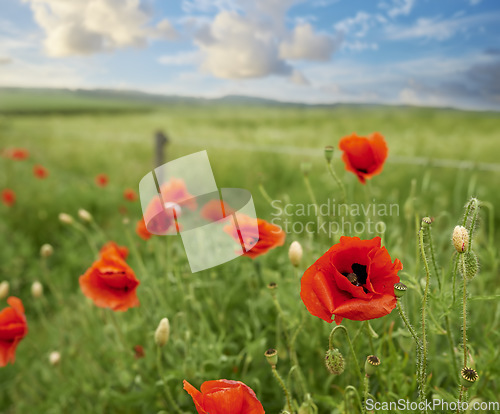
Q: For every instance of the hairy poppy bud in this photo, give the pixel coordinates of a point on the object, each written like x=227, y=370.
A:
x=272, y=356
x=84, y=215
x=4, y=289
x=36, y=290
x=65, y=218
x=471, y=265
x=460, y=239
x=400, y=289
x=371, y=364
x=329, y=153
x=468, y=377
x=162, y=332
x=54, y=358
x=295, y=253
x=46, y=250
x=334, y=361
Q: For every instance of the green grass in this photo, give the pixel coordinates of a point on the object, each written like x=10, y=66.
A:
x=223, y=319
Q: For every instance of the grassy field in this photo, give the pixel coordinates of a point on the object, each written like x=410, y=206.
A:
x=223, y=319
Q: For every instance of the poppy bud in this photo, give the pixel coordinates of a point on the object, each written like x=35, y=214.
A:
x=371, y=364
x=295, y=253
x=272, y=356
x=471, y=265
x=328, y=153
x=460, y=239
x=400, y=289
x=46, y=250
x=54, y=358
x=334, y=361
x=84, y=215
x=65, y=218
x=468, y=377
x=36, y=290
x=162, y=332
x=305, y=168
x=4, y=289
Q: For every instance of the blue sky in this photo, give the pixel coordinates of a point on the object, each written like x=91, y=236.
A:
x=419, y=52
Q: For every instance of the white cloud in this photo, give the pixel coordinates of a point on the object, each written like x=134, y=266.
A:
x=360, y=24
x=181, y=59
x=304, y=43
x=298, y=78
x=398, y=7
x=5, y=60
x=474, y=2
x=358, y=46
x=82, y=27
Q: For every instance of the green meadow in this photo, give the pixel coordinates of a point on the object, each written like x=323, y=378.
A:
x=224, y=319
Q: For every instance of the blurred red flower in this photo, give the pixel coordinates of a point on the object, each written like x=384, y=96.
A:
x=130, y=195
x=17, y=154
x=224, y=397
x=13, y=328
x=112, y=248
x=138, y=352
x=364, y=156
x=8, y=197
x=141, y=230
x=110, y=282
x=216, y=210
x=268, y=236
x=40, y=171
x=354, y=279
x=101, y=180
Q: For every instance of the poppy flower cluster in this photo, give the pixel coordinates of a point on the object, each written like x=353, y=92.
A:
x=224, y=397
x=354, y=279
x=13, y=328
x=364, y=156
x=110, y=282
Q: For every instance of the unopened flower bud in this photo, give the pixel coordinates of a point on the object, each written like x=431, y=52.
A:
x=468, y=377
x=54, y=358
x=334, y=361
x=36, y=290
x=272, y=357
x=400, y=289
x=460, y=239
x=162, y=332
x=46, y=250
x=470, y=265
x=84, y=215
x=65, y=218
x=4, y=289
x=371, y=364
x=328, y=153
x=295, y=253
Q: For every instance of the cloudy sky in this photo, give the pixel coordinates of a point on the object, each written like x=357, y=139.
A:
x=422, y=52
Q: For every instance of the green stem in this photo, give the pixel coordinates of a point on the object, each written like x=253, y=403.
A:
x=283, y=387
x=338, y=181
x=433, y=259
x=330, y=345
x=455, y=269
x=355, y=391
x=450, y=342
x=264, y=194
x=464, y=311
x=159, y=365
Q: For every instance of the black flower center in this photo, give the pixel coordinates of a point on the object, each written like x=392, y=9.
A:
x=358, y=275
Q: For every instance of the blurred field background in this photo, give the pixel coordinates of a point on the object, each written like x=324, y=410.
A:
x=223, y=319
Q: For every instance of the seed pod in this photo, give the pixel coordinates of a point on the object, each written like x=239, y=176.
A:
x=272, y=356
x=334, y=361
x=329, y=153
x=400, y=289
x=460, y=239
x=468, y=377
x=371, y=364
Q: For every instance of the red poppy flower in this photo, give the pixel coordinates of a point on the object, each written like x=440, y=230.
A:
x=17, y=154
x=364, y=156
x=175, y=196
x=216, y=210
x=224, y=397
x=110, y=283
x=354, y=280
x=268, y=237
x=138, y=352
x=111, y=248
x=142, y=230
x=130, y=195
x=8, y=197
x=101, y=180
x=13, y=328
x=40, y=171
